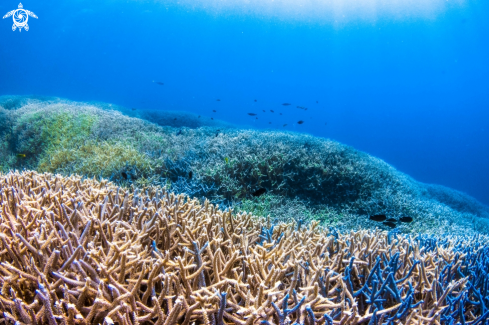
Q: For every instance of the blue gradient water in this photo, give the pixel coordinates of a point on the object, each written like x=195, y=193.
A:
x=408, y=86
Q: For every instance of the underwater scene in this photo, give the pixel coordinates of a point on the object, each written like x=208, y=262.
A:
x=208, y=162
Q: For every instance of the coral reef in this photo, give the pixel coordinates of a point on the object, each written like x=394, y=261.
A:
x=79, y=251
x=305, y=177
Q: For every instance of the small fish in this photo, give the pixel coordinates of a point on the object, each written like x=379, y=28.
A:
x=259, y=192
x=124, y=175
x=218, y=100
x=255, y=100
x=280, y=113
x=251, y=114
x=199, y=116
x=214, y=110
x=406, y=219
x=190, y=174
x=179, y=132
x=263, y=110
x=133, y=109
x=21, y=155
x=300, y=122
x=391, y=220
x=212, y=118
x=285, y=125
x=256, y=118
x=158, y=83
x=272, y=111
x=226, y=159
x=390, y=224
x=378, y=217
x=269, y=122
x=286, y=104
x=217, y=133
x=175, y=119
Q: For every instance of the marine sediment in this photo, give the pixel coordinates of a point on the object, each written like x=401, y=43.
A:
x=79, y=251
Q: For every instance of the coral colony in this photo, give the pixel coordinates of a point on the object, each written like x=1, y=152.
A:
x=77, y=251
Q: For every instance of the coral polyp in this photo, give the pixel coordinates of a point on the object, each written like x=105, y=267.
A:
x=78, y=251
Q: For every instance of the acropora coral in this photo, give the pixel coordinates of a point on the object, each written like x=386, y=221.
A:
x=305, y=176
x=78, y=251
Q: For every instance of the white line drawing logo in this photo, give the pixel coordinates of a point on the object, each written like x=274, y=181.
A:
x=20, y=17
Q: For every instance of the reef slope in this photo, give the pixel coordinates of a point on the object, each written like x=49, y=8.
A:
x=305, y=177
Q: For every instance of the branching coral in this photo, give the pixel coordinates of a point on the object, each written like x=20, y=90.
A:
x=82, y=252
x=304, y=175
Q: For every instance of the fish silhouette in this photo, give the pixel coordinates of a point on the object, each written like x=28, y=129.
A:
x=406, y=219
x=158, y=83
x=390, y=224
x=259, y=192
x=286, y=104
x=251, y=114
x=378, y=217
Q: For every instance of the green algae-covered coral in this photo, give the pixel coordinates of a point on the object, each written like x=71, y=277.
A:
x=76, y=251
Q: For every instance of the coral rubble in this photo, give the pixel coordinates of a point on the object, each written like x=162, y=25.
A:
x=79, y=251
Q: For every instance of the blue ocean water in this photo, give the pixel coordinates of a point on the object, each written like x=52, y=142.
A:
x=406, y=81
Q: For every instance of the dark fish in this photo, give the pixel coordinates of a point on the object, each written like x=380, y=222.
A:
x=391, y=220
x=214, y=110
x=259, y=192
x=133, y=109
x=300, y=122
x=21, y=155
x=271, y=110
x=305, y=108
x=390, y=224
x=406, y=219
x=378, y=217
x=218, y=100
x=317, y=102
x=124, y=175
x=158, y=83
x=285, y=125
x=217, y=133
x=263, y=110
x=199, y=116
x=286, y=104
x=251, y=114
x=175, y=119
x=190, y=174
x=255, y=100
x=280, y=113
x=256, y=118
x=179, y=132
x=269, y=122
x=212, y=118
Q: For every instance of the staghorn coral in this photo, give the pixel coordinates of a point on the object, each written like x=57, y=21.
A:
x=317, y=179
x=78, y=251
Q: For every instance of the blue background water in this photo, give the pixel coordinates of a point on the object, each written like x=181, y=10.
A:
x=408, y=84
